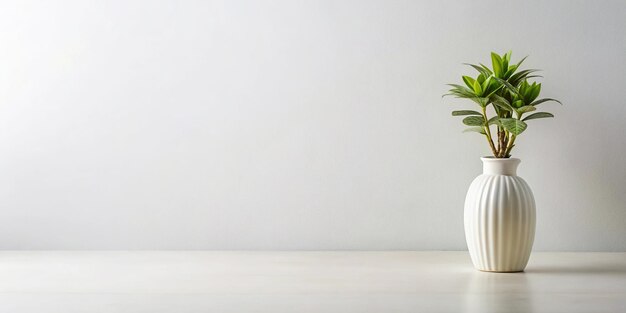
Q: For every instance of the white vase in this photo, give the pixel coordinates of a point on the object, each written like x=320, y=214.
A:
x=499, y=217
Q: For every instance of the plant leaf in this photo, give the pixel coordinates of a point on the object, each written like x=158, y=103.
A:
x=460, y=91
x=484, y=71
x=494, y=86
x=538, y=115
x=521, y=61
x=474, y=121
x=475, y=129
x=482, y=101
x=508, y=86
x=477, y=88
x=485, y=84
x=480, y=78
x=534, y=93
x=502, y=106
x=486, y=68
x=526, y=109
x=494, y=120
x=465, y=112
x=469, y=81
x=545, y=100
x=520, y=76
x=505, y=62
x=496, y=63
x=502, y=103
x=513, y=125
x=510, y=71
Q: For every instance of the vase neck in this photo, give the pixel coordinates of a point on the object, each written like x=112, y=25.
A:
x=500, y=166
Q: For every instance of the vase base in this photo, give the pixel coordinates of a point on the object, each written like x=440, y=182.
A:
x=493, y=271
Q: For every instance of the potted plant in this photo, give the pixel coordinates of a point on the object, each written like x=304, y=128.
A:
x=499, y=206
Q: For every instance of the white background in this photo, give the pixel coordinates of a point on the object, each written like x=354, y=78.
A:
x=296, y=124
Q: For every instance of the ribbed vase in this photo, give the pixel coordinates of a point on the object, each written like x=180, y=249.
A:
x=499, y=218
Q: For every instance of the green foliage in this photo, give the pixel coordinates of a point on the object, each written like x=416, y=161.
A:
x=525, y=109
x=506, y=90
x=465, y=112
x=513, y=125
x=538, y=115
x=474, y=121
x=494, y=121
x=475, y=129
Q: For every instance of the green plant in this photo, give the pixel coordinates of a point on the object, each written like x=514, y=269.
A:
x=506, y=89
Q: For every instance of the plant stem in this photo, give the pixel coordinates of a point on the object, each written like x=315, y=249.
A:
x=488, y=132
x=510, y=146
x=490, y=141
x=501, y=144
x=506, y=140
x=512, y=141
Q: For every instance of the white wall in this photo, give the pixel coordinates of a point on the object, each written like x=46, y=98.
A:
x=295, y=124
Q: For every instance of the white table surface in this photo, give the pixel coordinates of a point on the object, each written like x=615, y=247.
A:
x=184, y=281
